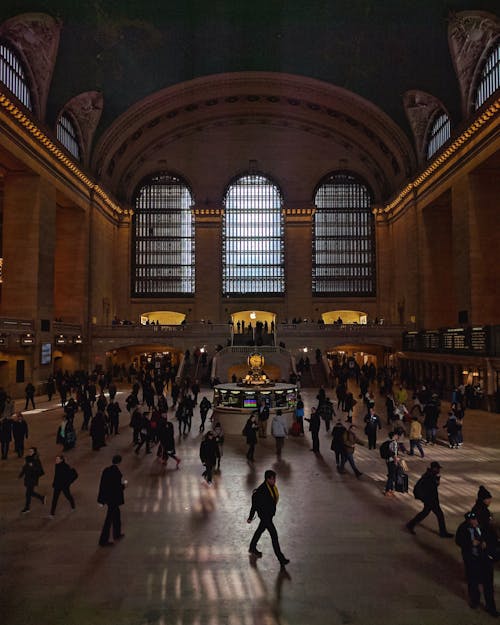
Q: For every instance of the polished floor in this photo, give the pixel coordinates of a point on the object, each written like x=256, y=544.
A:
x=184, y=558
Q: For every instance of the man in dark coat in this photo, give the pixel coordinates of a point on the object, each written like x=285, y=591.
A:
x=264, y=501
x=5, y=435
x=478, y=562
x=111, y=494
x=209, y=453
x=32, y=471
x=64, y=476
x=20, y=433
x=114, y=410
x=314, y=427
x=373, y=424
x=338, y=442
x=98, y=431
x=426, y=489
x=205, y=406
x=30, y=395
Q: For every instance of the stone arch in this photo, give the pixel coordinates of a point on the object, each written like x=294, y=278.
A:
x=171, y=122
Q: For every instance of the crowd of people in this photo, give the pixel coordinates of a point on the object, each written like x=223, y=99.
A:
x=156, y=400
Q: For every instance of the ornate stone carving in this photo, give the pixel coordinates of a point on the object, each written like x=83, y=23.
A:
x=86, y=108
x=35, y=36
x=470, y=35
x=420, y=108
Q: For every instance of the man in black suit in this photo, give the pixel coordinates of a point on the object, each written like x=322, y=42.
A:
x=111, y=494
x=264, y=501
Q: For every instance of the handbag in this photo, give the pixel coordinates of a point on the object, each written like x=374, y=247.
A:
x=404, y=465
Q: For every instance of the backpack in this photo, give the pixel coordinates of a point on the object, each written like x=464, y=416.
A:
x=419, y=489
x=385, y=450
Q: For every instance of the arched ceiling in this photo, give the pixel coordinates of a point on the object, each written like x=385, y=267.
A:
x=276, y=111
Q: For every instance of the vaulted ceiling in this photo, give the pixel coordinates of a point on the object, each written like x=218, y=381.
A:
x=130, y=49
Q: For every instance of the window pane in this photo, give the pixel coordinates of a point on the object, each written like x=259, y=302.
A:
x=66, y=134
x=164, y=238
x=13, y=77
x=252, y=253
x=344, y=238
x=439, y=134
x=490, y=78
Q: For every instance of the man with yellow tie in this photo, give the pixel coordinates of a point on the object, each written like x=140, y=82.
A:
x=264, y=502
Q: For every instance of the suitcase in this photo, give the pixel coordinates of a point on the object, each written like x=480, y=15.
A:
x=401, y=482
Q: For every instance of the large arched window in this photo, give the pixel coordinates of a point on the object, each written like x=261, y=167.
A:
x=67, y=135
x=163, y=239
x=489, y=81
x=344, y=238
x=13, y=76
x=252, y=249
x=439, y=133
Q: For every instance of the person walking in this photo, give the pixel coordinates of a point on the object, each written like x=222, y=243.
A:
x=373, y=424
x=166, y=448
x=478, y=562
x=350, y=439
x=32, y=471
x=113, y=409
x=20, y=433
x=426, y=489
x=314, y=427
x=299, y=414
x=264, y=501
x=279, y=431
x=110, y=494
x=98, y=431
x=30, y=395
x=209, y=452
x=431, y=415
x=5, y=435
x=144, y=434
x=250, y=431
x=219, y=439
x=389, y=451
x=262, y=418
x=338, y=442
x=64, y=476
x=416, y=436
x=205, y=406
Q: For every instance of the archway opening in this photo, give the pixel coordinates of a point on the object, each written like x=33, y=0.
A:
x=162, y=318
x=345, y=316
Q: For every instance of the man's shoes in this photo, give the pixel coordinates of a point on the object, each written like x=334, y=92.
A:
x=446, y=535
x=255, y=552
x=493, y=612
x=359, y=474
x=389, y=493
x=284, y=562
x=410, y=528
x=106, y=544
x=119, y=536
x=25, y=511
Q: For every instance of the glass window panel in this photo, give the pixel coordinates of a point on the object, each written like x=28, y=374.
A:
x=439, y=134
x=489, y=81
x=13, y=76
x=252, y=250
x=163, y=226
x=343, y=238
x=67, y=135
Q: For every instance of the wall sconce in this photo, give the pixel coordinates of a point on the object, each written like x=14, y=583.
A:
x=465, y=372
x=27, y=339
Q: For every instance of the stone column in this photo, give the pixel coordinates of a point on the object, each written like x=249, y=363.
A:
x=29, y=218
x=208, y=250
x=298, y=262
x=461, y=250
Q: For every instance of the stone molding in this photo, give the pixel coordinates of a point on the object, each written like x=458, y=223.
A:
x=421, y=109
x=86, y=110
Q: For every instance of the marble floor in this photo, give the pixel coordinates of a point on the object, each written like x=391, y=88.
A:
x=184, y=558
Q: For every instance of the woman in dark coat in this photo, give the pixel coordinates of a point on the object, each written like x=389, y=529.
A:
x=64, y=476
x=98, y=431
